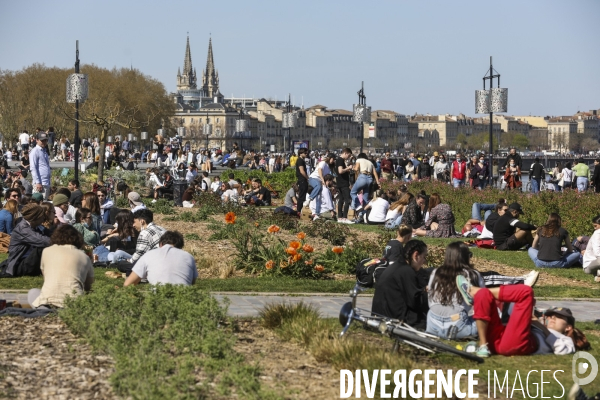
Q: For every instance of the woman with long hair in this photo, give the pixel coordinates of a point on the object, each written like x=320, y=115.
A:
x=121, y=241
x=448, y=315
x=545, y=252
x=512, y=176
x=557, y=176
x=400, y=292
x=8, y=216
x=208, y=162
x=48, y=226
x=83, y=219
x=440, y=223
x=91, y=201
x=524, y=334
x=393, y=218
x=591, y=254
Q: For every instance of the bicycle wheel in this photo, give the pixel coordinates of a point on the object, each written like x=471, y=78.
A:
x=404, y=334
x=528, y=187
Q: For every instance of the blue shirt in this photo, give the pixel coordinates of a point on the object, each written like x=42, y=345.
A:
x=6, y=221
x=40, y=166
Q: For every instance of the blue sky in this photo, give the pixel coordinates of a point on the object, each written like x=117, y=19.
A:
x=414, y=56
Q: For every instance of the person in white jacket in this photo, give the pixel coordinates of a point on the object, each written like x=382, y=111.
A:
x=591, y=257
x=325, y=199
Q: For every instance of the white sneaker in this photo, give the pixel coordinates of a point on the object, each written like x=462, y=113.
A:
x=342, y=220
x=316, y=217
x=154, y=201
x=531, y=278
x=349, y=221
x=306, y=203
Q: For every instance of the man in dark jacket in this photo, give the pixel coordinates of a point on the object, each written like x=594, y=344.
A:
x=596, y=176
x=26, y=244
x=424, y=170
x=536, y=175
x=515, y=156
x=509, y=232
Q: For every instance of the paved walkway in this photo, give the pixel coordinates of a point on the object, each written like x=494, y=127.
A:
x=249, y=305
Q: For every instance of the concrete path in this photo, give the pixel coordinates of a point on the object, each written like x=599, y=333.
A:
x=249, y=305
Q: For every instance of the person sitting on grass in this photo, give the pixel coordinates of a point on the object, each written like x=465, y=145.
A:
x=258, y=195
x=165, y=188
x=26, y=244
x=135, y=202
x=148, y=238
x=120, y=242
x=393, y=219
x=394, y=249
x=229, y=194
x=167, y=264
x=414, y=212
x=399, y=292
x=449, y=315
x=440, y=223
x=545, y=252
x=376, y=210
x=510, y=233
x=105, y=204
x=591, y=254
x=67, y=270
x=83, y=220
x=524, y=333
x=61, y=206
x=8, y=216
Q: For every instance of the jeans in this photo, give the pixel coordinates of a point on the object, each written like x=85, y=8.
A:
x=104, y=254
x=479, y=207
x=566, y=261
x=582, y=183
x=393, y=223
x=457, y=182
x=535, y=185
x=363, y=182
x=446, y=328
x=317, y=188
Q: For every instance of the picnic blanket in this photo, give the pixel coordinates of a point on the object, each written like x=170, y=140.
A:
x=26, y=312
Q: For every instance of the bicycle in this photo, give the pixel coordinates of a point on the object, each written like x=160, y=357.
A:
x=398, y=330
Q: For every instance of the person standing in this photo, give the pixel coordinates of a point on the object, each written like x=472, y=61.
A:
x=24, y=141
x=596, y=176
x=387, y=167
x=40, y=166
x=51, y=139
x=302, y=178
x=343, y=185
x=458, y=171
x=536, y=174
x=514, y=156
x=582, y=172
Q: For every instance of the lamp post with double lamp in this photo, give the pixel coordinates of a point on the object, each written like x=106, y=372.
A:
x=290, y=119
x=490, y=101
x=77, y=92
x=207, y=129
x=361, y=114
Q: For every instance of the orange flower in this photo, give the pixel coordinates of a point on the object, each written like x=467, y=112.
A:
x=230, y=217
x=301, y=235
x=319, y=268
x=270, y=264
x=283, y=264
x=291, y=251
x=308, y=248
x=297, y=257
x=337, y=249
x=310, y=262
x=295, y=245
x=273, y=229
x=256, y=224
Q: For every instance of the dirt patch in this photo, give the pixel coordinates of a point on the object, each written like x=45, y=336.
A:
x=286, y=368
x=41, y=359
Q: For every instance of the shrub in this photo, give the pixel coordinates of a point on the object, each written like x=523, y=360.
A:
x=336, y=234
x=169, y=342
x=344, y=261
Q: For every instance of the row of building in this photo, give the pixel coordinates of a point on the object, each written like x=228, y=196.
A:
x=200, y=103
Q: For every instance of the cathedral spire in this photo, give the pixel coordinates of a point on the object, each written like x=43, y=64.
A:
x=210, y=64
x=187, y=62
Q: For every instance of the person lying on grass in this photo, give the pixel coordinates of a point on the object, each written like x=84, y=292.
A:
x=168, y=264
x=449, y=317
x=524, y=334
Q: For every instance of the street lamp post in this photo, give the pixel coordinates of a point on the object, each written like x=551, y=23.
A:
x=490, y=101
x=289, y=121
x=241, y=126
x=361, y=113
x=207, y=129
x=77, y=91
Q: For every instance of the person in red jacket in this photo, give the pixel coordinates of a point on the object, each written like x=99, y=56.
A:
x=458, y=171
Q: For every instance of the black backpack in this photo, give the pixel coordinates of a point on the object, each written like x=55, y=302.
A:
x=369, y=270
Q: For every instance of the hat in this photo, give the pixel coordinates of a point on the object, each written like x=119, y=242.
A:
x=563, y=312
x=435, y=154
x=42, y=136
x=516, y=207
x=135, y=198
x=33, y=213
x=37, y=197
x=60, y=199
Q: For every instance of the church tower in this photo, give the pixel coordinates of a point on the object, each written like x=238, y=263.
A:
x=187, y=80
x=210, y=77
